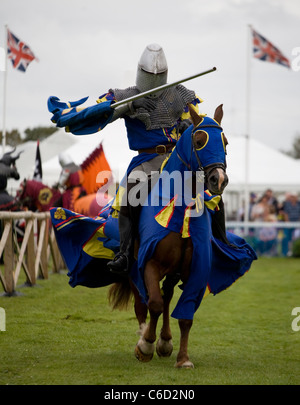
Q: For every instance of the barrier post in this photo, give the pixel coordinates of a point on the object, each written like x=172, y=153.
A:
x=30, y=259
x=9, y=259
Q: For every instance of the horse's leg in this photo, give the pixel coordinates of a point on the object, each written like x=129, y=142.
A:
x=182, y=357
x=145, y=347
x=164, y=346
x=140, y=308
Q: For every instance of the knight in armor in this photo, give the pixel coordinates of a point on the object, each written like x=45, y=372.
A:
x=70, y=179
x=154, y=124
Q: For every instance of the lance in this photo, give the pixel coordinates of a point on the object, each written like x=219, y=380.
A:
x=160, y=88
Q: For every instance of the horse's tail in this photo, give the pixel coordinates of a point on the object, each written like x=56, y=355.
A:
x=120, y=294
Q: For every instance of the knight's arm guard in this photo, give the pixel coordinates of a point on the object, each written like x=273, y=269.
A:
x=119, y=111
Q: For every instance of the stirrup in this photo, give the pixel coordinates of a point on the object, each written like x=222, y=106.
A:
x=119, y=265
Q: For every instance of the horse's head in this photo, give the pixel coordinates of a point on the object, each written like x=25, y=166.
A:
x=23, y=196
x=37, y=196
x=209, y=144
x=8, y=165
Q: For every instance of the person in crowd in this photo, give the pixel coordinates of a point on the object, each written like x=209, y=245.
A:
x=267, y=236
x=272, y=200
x=261, y=209
x=291, y=210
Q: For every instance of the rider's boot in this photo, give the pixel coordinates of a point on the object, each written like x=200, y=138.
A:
x=121, y=263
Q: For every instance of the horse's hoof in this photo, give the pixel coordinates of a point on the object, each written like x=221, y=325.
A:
x=164, y=348
x=184, y=364
x=144, y=350
x=143, y=357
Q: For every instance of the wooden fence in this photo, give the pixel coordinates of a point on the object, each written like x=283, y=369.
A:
x=31, y=251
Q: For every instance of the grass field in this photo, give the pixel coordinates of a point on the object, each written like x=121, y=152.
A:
x=59, y=335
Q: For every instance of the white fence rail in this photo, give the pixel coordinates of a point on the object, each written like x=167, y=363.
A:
x=269, y=238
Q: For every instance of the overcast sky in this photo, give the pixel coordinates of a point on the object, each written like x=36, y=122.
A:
x=86, y=47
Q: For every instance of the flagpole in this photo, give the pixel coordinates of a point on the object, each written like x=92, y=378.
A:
x=247, y=136
x=4, y=93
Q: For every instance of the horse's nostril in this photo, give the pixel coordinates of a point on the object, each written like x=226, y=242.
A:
x=214, y=179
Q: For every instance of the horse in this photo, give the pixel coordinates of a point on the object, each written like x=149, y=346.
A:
x=35, y=195
x=8, y=170
x=8, y=167
x=176, y=242
x=173, y=251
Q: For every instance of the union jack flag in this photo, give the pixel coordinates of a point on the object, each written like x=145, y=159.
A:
x=266, y=51
x=18, y=52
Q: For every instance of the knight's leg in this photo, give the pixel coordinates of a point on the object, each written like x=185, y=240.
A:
x=135, y=194
x=120, y=264
x=128, y=220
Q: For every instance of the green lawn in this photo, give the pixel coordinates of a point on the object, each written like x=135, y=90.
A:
x=59, y=335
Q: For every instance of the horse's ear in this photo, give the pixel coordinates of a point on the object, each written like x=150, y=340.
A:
x=219, y=114
x=196, y=119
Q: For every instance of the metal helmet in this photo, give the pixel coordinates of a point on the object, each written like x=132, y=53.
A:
x=152, y=69
x=64, y=159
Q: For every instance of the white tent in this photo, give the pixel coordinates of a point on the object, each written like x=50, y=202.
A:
x=268, y=168
x=113, y=139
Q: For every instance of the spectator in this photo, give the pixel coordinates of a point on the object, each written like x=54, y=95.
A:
x=272, y=201
x=252, y=202
x=261, y=209
x=291, y=207
x=267, y=236
x=291, y=210
x=282, y=232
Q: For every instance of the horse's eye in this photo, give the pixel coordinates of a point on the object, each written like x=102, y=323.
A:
x=200, y=139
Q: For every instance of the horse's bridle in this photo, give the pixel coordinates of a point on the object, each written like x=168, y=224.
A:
x=209, y=168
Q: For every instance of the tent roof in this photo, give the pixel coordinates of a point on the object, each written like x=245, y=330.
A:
x=268, y=168
x=114, y=143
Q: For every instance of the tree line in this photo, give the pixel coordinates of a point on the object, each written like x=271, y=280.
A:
x=295, y=151
x=14, y=138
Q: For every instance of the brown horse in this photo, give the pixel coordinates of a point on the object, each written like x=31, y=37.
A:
x=35, y=195
x=172, y=257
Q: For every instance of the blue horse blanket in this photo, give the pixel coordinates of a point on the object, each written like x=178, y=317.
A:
x=87, y=244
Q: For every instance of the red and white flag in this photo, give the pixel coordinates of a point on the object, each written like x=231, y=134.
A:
x=266, y=51
x=18, y=52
